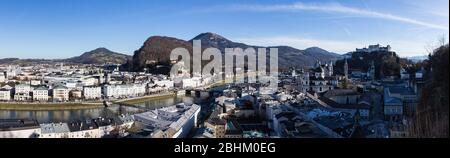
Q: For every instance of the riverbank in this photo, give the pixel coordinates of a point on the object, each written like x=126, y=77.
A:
x=78, y=105
x=86, y=105
x=142, y=99
x=48, y=106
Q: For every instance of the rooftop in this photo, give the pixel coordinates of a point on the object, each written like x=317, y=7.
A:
x=17, y=124
x=216, y=121
x=168, y=117
x=41, y=88
x=389, y=99
x=340, y=92
x=336, y=105
x=54, y=128
x=82, y=125
x=60, y=87
x=401, y=90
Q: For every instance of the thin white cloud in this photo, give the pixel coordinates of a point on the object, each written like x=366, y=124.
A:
x=335, y=8
x=403, y=48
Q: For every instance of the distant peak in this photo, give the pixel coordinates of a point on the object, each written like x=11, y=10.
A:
x=101, y=49
x=209, y=36
x=314, y=48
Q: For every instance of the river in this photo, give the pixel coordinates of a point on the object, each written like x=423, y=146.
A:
x=46, y=116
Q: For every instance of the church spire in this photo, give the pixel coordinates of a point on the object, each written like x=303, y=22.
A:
x=346, y=69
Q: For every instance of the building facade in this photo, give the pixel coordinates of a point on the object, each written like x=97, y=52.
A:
x=319, y=79
x=2, y=77
x=119, y=91
x=40, y=94
x=22, y=92
x=92, y=92
x=5, y=94
x=60, y=93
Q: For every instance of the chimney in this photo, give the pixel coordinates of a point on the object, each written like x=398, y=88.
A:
x=224, y=108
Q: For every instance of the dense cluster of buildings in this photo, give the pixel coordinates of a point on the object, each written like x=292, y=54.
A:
x=175, y=121
x=319, y=79
x=59, y=83
x=93, y=128
x=314, y=102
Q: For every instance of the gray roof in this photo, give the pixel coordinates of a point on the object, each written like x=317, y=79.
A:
x=54, y=128
x=4, y=89
x=60, y=87
x=82, y=125
x=16, y=124
x=401, y=90
x=22, y=85
x=340, y=92
x=336, y=105
x=41, y=88
x=388, y=99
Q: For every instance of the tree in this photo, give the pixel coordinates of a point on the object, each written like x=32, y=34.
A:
x=344, y=84
x=432, y=119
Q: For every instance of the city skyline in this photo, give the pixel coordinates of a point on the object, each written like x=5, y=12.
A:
x=54, y=29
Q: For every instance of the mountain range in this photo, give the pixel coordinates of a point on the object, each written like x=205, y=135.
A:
x=156, y=51
x=97, y=56
x=418, y=58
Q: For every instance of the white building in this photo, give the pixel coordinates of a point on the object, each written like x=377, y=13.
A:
x=92, y=92
x=165, y=83
x=60, y=93
x=374, y=48
x=54, y=130
x=35, y=82
x=12, y=72
x=22, y=92
x=319, y=79
x=89, y=81
x=23, y=88
x=5, y=94
x=118, y=91
x=191, y=82
x=40, y=94
x=2, y=77
x=171, y=122
x=85, y=129
x=71, y=85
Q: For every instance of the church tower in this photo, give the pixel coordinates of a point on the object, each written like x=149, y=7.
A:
x=330, y=69
x=372, y=71
x=346, y=69
x=318, y=64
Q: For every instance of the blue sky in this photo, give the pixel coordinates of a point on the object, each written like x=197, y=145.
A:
x=61, y=29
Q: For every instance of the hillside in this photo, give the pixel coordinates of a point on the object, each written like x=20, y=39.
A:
x=156, y=51
x=386, y=63
x=100, y=56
